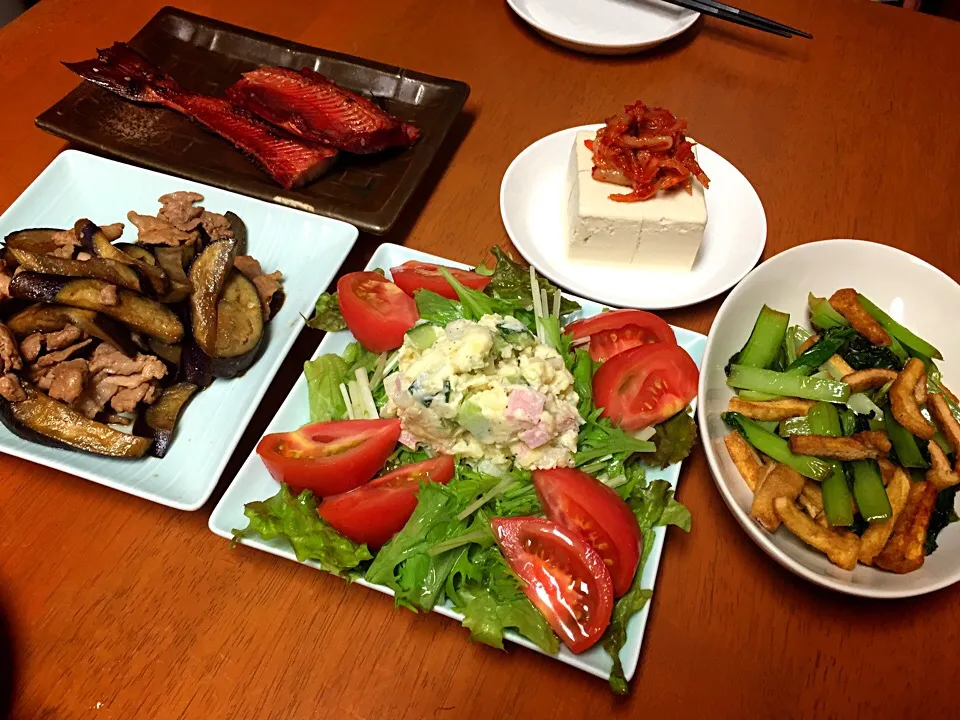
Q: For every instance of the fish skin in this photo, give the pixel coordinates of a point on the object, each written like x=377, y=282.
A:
x=289, y=160
x=308, y=105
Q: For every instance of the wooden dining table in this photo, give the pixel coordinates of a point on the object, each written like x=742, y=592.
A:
x=114, y=607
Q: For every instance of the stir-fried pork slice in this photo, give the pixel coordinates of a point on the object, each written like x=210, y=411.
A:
x=154, y=231
x=9, y=351
x=11, y=389
x=59, y=356
x=67, y=380
x=179, y=209
x=267, y=285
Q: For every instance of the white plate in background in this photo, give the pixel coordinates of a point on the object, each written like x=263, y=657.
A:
x=915, y=294
x=253, y=482
x=308, y=249
x=605, y=27
x=533, y=199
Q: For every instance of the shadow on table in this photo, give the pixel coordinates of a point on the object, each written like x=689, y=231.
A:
x=308, y=339
x=8, y=673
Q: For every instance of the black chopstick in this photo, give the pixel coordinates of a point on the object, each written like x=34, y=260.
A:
x=759, y=18
x=739, y=17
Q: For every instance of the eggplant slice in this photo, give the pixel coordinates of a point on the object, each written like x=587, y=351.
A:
x=196, y=366
x=43, y=420
x=42, y=318
x=141, y=313
x=239, y=230
x=97, y=244
x=161, y=417
x=239, y=326
x=207, y=276
x=36, y=240
x=171, y=261
x=97, y=268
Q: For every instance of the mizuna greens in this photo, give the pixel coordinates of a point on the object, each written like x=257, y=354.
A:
x=446, y=553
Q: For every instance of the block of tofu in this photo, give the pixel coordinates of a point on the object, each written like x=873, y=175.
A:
x=662, y=233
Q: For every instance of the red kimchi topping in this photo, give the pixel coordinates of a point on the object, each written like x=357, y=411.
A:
x=644, y=149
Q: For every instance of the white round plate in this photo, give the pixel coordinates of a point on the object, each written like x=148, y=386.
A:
x=533, y=197
x=914, y=293
x=605, y=27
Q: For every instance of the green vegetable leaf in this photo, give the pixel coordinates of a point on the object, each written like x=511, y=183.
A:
x=511, y=282
x=491, y=599
x=582, y=372
x=295, y=519
x=475, y=303
x=653, y=505
x=615, y=637
x=860, y=354
x=599, y=438
x=324, y=376
x=674, y=440
x=436, y=308
x=943, y=514
x=831, y=341
x=326, y=314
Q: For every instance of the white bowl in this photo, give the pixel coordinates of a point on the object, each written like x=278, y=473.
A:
x=912, y=292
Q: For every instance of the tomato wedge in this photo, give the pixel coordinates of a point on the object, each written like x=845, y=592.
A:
x=564, y=577
x=584, y=505
x=376, y=311
x=375, y=512
x=613, y=332
x=414, y=275
x=329, y=457
x=645, y=385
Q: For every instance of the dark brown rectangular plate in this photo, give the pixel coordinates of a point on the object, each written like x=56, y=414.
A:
x=207, y=56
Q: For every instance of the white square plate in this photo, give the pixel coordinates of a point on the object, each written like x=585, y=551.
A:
x=306, y=248
x=253, y=482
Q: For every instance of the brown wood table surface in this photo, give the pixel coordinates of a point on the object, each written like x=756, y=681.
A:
x=119, y=608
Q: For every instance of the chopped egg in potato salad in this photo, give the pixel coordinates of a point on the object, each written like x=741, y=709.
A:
x=485, y=390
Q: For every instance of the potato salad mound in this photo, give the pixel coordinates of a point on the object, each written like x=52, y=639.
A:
x=485, y=390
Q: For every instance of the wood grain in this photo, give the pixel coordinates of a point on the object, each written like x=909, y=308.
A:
x=121, y=609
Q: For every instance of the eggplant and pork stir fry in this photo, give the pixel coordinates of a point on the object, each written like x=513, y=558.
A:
x=97, y=333
x=846, y=435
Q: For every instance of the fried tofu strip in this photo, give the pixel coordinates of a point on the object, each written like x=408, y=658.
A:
x=838, y=366
x=887, y=470
x=811, y=498
x=838, y=448
x=807, y=344
x=920, y=390
x=771, y=409
x=780, y=482
x=876, y=439
x=949, y=394
x=745, y=458
x=861, y=380
x=903, y=402
x=847, y=303
x=875, y=537
x=945, y=421
x=840, y=546
x=940, y=474
x=904, y=552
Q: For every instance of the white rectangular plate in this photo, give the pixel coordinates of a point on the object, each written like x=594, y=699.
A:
x=253, y=482
x=307, y=249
